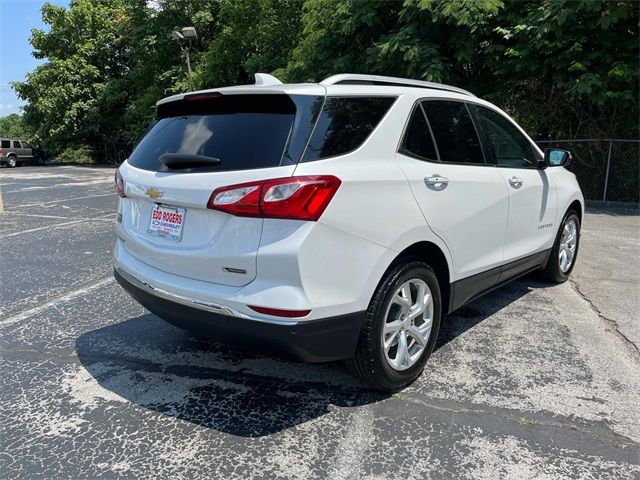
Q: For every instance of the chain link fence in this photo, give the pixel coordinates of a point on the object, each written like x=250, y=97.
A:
x=607, y=170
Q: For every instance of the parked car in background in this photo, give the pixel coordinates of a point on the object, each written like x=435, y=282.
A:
x=339, y=220
x=14, y=153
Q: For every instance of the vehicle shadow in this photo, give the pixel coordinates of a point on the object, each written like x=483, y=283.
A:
x=163, y=369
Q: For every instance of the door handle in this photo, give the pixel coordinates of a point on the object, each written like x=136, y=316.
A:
x=436, y=181
x=516, y=182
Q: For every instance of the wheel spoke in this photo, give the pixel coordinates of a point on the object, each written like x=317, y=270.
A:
x=388, y=342
x=403, y=298
x=422, y=302
x=392, y=326
x=417, y=335
x=403, y=351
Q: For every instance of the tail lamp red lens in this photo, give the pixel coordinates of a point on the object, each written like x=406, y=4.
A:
x=119, y=183
x=296, y=198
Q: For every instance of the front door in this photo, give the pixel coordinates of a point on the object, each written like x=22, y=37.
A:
x=532, y=198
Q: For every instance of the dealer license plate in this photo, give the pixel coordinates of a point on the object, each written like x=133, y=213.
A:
x=167, y=222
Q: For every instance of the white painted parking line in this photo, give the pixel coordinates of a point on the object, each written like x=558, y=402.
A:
x=41, y=204
x=17, y=214
x=61, y=185
x=56, y=225
x=56, y=301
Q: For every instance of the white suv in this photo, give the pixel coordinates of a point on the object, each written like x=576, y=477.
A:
x=339, y=220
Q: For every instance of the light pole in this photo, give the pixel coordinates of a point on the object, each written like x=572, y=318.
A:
x=184, y=38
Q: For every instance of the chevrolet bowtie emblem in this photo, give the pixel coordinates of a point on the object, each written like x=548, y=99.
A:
x=154, y=193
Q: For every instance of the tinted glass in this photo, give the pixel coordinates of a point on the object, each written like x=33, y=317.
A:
x=243, y=131
x=453, y=129
x=16, y=144
x=5, y=144
x=508, y=146
x=344, y=124
x=417, y=140
x=25, y=145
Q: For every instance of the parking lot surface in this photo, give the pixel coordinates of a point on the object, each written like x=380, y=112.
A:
x=531, y=381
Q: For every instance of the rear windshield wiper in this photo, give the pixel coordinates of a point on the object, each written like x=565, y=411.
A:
x=183, y=161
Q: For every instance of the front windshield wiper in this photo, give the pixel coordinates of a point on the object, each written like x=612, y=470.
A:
x=183, y=161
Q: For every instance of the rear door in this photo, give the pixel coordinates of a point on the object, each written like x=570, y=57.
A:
x=18, y=150
x=28, y=151
x=464, y=200
x=255, y=137
x=532, y=197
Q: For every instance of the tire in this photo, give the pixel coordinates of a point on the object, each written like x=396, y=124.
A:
x=372, y=362
x=557, y=271
x=11, y=161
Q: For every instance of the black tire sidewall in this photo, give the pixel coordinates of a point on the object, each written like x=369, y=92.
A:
x=413, y=269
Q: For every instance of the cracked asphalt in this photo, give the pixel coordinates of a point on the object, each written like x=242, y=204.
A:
x=533, y=380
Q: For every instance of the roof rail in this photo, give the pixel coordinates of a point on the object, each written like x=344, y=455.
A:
x=360, y=79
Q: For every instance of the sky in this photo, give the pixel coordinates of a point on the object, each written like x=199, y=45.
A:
x=18, y=18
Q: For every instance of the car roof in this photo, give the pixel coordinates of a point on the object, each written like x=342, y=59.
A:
x=338, y=85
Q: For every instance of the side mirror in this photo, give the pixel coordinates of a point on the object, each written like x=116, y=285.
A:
x=555, y=157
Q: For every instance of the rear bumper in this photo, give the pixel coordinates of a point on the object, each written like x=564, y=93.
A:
x=319, y=340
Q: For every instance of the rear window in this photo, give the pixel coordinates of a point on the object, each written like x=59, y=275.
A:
x=344, y=124
x=5, y=144
x=243, y=131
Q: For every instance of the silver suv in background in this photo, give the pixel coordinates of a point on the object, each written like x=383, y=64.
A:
x=13, y=153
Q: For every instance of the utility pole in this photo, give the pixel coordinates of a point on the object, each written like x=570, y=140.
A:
x=185, y=37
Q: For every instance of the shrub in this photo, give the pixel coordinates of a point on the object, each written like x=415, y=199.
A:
x=76, y=154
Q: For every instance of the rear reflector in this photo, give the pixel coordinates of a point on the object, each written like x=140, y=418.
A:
x=276, y=312
x=296, y=198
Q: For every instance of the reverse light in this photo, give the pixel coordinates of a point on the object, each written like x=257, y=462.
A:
x=119, y=183
x=296, y=198
x=277, y=312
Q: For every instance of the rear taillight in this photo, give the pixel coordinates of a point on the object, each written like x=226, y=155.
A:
x=296, y=198
x=119, y=183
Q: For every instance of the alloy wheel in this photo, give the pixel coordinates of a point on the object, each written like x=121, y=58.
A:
x=568, y=243
x=407, y=326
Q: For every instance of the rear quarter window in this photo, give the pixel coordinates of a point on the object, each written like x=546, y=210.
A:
x=344, y=124
x=5, y=144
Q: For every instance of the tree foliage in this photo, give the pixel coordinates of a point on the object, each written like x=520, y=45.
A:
x=562, y=68
x=13, y=126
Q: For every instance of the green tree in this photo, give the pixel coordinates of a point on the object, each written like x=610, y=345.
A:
x=562, y=68
x=12, y=126
x=253, y=36
x=69, y=99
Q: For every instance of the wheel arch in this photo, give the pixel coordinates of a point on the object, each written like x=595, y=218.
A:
x=577, y=207
x=434, y=256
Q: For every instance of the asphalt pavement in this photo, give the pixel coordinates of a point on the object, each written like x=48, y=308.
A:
x=531, y=381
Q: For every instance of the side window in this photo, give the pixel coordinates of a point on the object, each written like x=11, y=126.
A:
x=456, y=137
x=5, y=144
x=344, y=124
x=16, y=144
x=418, y=141
x=26, y=145
x=509, y=147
